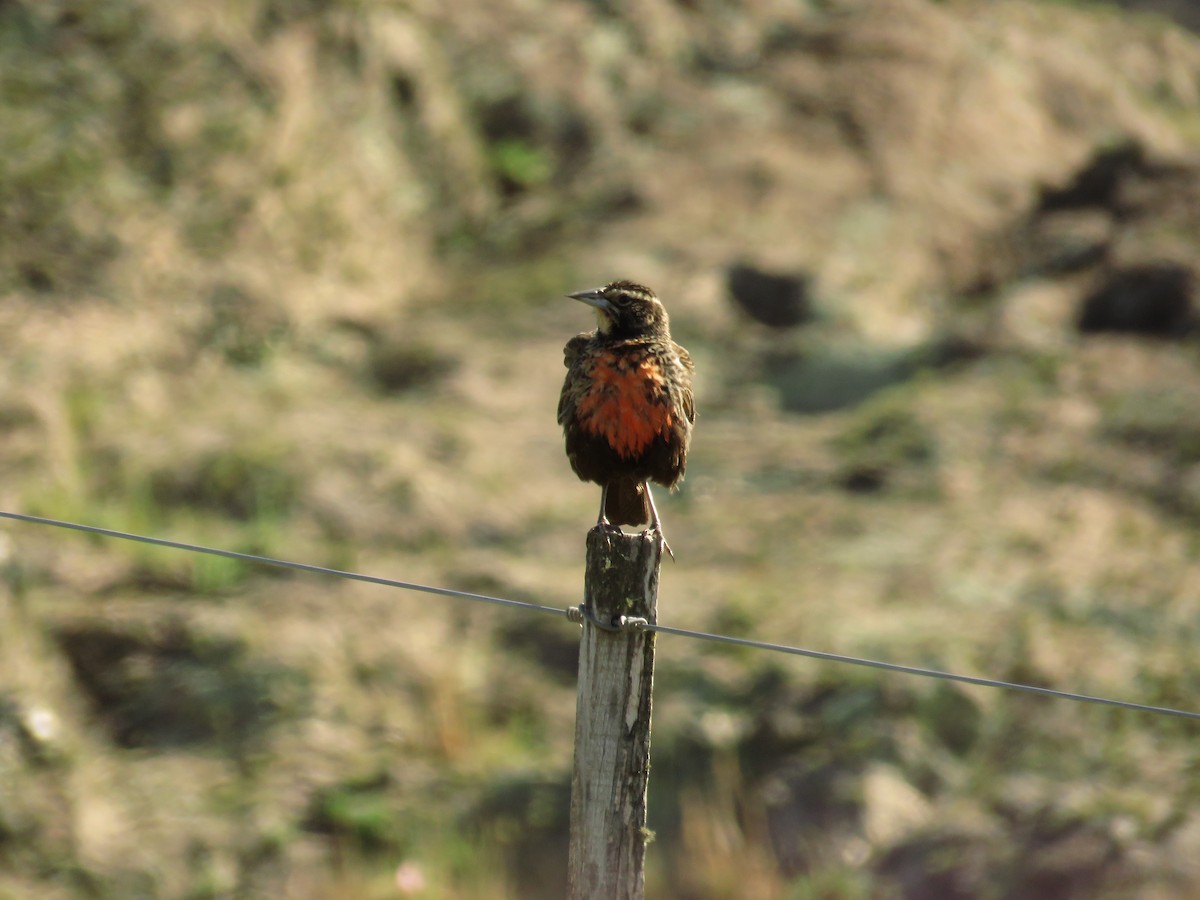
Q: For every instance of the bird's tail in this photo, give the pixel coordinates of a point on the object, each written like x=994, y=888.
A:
x=626, y=503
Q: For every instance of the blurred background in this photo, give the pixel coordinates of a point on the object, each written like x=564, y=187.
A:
x=288, y=277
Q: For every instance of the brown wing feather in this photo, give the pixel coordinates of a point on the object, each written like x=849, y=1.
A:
x=571, y=353
x=687, y=401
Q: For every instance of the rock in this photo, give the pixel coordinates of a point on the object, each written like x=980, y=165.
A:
x=1151, y=299
x=1098, y=183
x=168, y=685
x=1185, y=12
x=775, y=300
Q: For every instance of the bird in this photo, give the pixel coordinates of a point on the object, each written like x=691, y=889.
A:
x=627, y=407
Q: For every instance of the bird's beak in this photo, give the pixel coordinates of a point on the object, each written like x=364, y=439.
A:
x=594, y=298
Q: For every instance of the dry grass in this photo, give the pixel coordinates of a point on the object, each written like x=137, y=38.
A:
x=297, y=294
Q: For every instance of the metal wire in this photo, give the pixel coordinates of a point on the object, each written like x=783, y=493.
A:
x=579, y=614
x=914, y=670
x=283, y=563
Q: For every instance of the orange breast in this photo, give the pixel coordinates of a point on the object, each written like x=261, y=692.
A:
x=626, y=403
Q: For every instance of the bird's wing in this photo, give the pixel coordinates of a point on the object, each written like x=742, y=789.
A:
x=571, y=354
x=566, y=404
x=688, y=400
x=575, y=347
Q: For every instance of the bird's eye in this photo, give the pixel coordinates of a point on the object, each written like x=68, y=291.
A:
x=621, y=299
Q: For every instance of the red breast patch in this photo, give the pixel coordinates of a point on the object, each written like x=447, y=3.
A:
x=625, y=403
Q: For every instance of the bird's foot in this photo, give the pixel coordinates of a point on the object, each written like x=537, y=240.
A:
x=606, y=530
x=662, y=539
x=602, y=524
x=655, y=523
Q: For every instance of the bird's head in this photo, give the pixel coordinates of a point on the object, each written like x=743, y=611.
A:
x=625, y=309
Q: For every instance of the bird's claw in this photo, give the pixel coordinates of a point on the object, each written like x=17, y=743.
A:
x=662, y=539
x=606, y=530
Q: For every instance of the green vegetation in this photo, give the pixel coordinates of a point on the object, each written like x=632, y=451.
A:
x=885, y=439
x=518, y=164
x=1162, y=422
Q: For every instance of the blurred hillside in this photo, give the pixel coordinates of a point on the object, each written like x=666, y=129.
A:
x=288, y=277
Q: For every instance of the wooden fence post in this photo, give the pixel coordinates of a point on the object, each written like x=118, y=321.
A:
x=612, y=719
